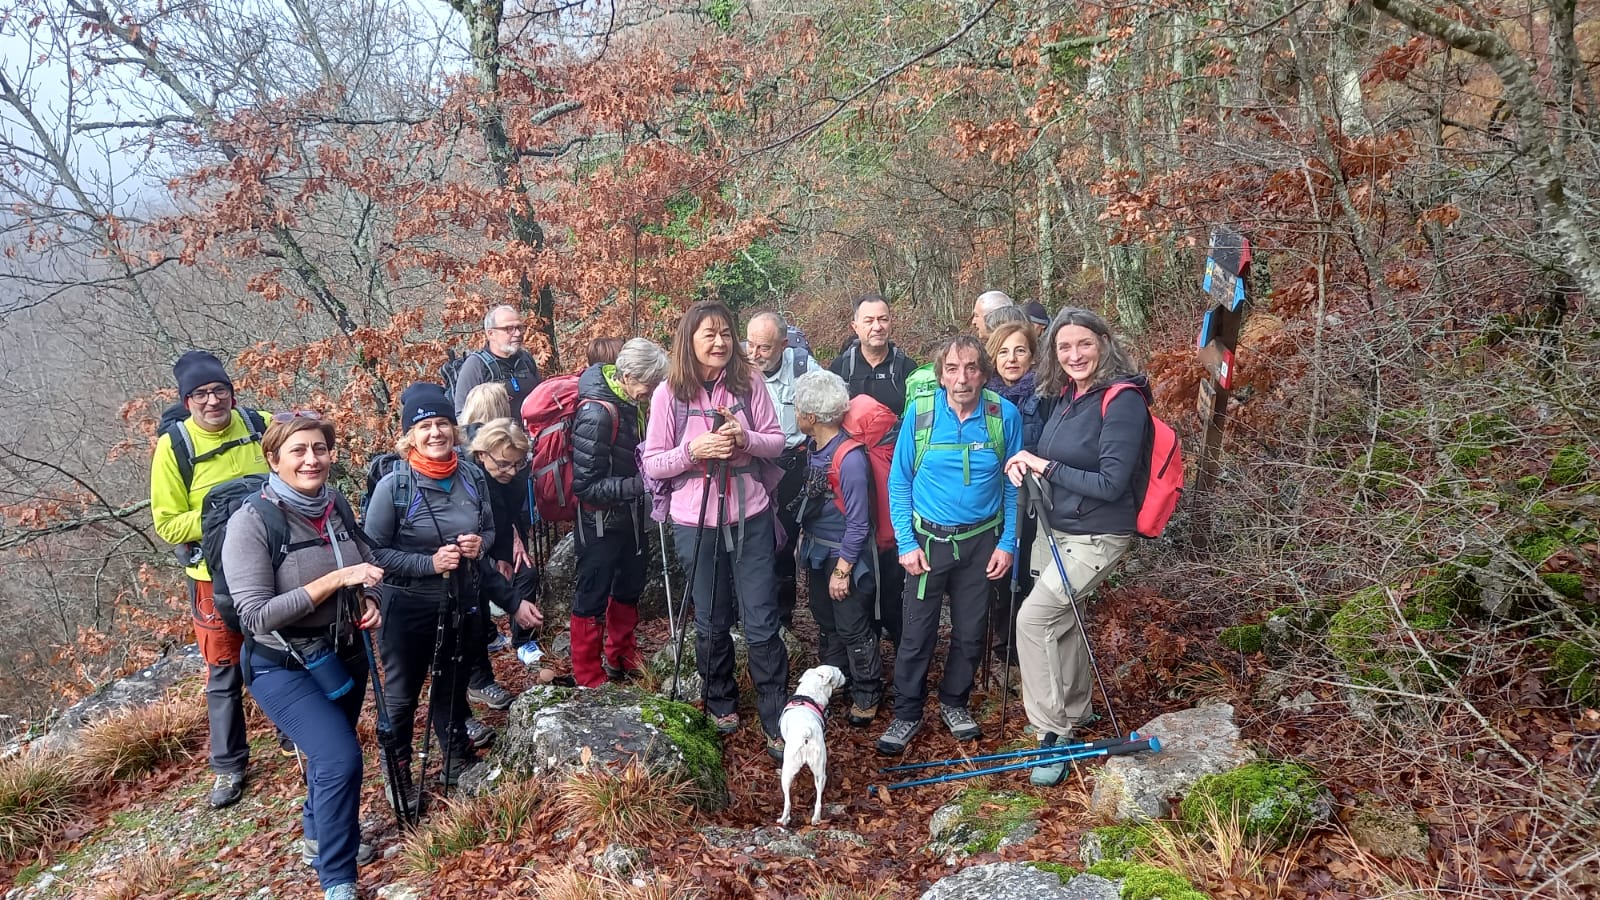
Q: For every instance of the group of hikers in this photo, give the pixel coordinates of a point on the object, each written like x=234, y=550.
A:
x=894, y=487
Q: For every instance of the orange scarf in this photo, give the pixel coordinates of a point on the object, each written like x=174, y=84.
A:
x=438, y=470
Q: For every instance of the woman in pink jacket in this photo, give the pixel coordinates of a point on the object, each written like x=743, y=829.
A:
x=713, y=439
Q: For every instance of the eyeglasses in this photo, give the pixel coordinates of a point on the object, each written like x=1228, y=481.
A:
x=206, y=394
x=311, y=414
x=500, y=465
x=510, y=329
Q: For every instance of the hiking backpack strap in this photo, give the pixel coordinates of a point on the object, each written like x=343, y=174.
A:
x=922, y=432
x=183, y=445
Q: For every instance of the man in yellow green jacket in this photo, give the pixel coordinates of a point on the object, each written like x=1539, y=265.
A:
x=215, y=443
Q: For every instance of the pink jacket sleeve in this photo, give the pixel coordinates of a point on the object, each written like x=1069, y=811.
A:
x=665, y=455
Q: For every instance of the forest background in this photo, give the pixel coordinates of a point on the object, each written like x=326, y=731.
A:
x=329, y=195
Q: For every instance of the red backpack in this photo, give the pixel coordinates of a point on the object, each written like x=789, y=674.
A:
x=548, y=413
x=1159, y=493
x=870, y=424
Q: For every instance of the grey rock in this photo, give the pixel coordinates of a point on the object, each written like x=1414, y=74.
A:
x=559, y=580
x=1003, y=881
x=1300, y=703
x=689, y=683
x=956, y=829
x=140, y=689
x=399, y=891
x=772, y=839
x=550, y=729
x=620, y=861
x=1092, y=887
x=1194, y=742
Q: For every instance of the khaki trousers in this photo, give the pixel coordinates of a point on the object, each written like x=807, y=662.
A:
x=1057, y=683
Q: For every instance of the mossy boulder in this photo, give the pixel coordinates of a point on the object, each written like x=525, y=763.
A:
x=1570, y=466
x=1478, y=436
x=1272, y=802
x=1113, y=842
x=979, y=821
x=1367, y=636
x=1146, y=882
x=1241, y=638
x=554, y=729
x=1575, y=669
x=1386, y=831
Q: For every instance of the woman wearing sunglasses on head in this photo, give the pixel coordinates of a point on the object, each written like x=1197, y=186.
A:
x=302, y=582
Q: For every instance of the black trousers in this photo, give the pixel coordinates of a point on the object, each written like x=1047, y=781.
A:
x=611, y=564
x=794, y=478
x=846, y=638
x=406, y=644
x=957, y=571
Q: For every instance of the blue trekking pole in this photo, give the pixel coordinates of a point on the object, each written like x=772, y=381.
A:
x=1039, y=494
x=1123, y=749
x=1052, y=750
x=1010, y=623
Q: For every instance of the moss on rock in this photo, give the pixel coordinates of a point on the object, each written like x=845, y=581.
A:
x=1243, y=638
x=695, y=736
x=1567, y=584
x=1574, y=666
x=1118, y=841
x=1530, y=483
x=1273, y=802
x=1146, y=882
x=1360, y=633
x=978, y=821
x=1061, y=870
x=1570, y=466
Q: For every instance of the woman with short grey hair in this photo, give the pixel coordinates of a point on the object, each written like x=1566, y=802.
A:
x=642, y=361
x=824, y=399
x=834, y=510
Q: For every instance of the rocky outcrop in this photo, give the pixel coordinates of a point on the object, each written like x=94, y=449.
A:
x=1194, y=743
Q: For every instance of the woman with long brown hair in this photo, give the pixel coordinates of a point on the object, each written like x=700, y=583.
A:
x=712, y=437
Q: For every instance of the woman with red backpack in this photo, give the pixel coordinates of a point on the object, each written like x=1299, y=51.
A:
x=835, y=515
x=612, y=540
x=1089, y=463
x=712, y=440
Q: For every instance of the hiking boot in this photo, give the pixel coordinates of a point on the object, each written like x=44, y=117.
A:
x=227, y=789
x=862, y=716
x=479, y=735
x=775, y=747
x=341, y=892
x=500, y=644
x=491, y=695
x=959, y=721
x=901, y=731
x=456, y=767
x=727, y=724
x=1048, y=775
x=308, y=852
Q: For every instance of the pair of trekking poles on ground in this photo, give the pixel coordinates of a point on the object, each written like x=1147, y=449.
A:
x=1035, y=495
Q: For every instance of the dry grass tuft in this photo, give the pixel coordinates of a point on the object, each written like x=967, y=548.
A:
x=1217, y=852
x=38, y=798
x=464, y=824
x=882, y=889
x=140, y=740
x=146, y=876
x=623, y=804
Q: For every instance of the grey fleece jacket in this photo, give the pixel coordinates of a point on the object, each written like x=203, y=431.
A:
x=1094, y=460
x=404, y=540
x=268, y=599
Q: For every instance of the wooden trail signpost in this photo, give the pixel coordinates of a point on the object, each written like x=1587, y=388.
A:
x=1227, y=264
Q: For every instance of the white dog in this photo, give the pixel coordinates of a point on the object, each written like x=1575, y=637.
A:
x=803, y=740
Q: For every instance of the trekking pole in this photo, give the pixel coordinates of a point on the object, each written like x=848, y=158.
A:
x=453, y=596
x=688, y=577
x=1123, y=749
x=435, y=672
x=1015, y=754
x=1011, y=613
x=666, y=581
x=1072, y=601
x=400, y=786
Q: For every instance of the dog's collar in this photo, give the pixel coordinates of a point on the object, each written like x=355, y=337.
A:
x=801, y=701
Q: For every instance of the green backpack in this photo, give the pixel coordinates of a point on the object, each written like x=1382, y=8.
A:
x=921, y=385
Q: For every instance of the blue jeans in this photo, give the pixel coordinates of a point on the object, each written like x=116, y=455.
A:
x=325, y=731
x=733, y=587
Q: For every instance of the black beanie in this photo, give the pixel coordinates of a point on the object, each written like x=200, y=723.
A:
x=198, y=368
x=424, y=400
